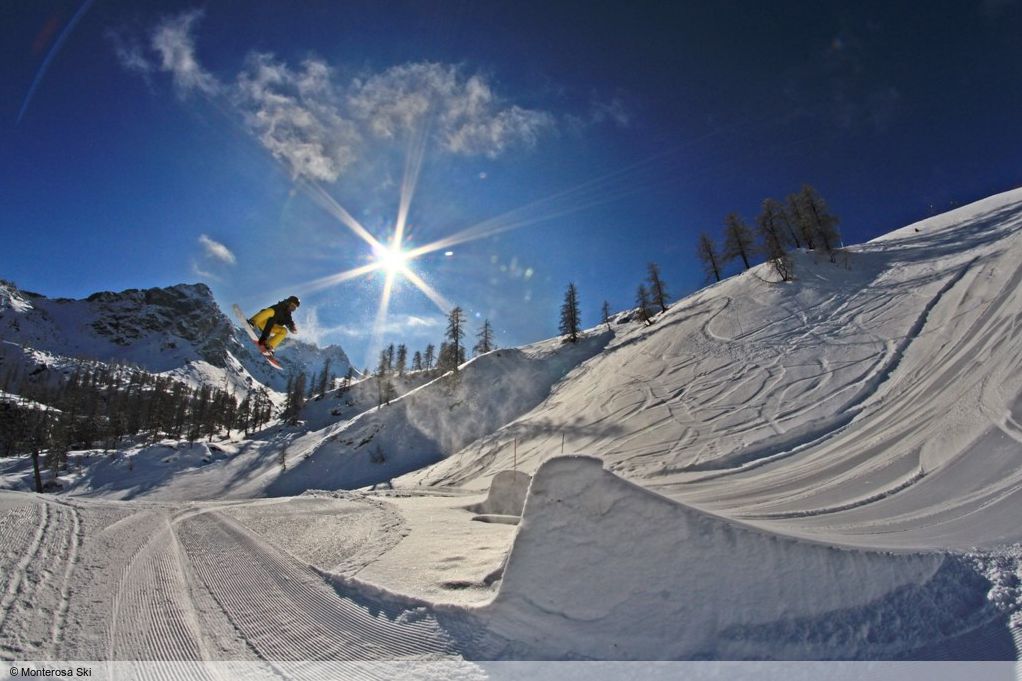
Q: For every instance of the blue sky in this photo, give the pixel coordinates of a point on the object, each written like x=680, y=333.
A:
x=148, y=144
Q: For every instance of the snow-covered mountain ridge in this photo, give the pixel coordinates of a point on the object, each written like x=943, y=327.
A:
x=178, y=329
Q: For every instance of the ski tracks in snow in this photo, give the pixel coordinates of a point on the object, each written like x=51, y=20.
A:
x=190, y=583
x=153, y=617
x=286, y=611
x=42, y=538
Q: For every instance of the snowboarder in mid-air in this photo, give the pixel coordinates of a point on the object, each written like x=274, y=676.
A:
x=273, y=323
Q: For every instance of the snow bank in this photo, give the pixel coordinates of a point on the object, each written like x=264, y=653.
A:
x=602, y=568
x=139, y=471
x=431, y=422
x=506, y=496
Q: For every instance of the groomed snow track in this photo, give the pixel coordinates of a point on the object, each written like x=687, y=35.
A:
x=173, y=583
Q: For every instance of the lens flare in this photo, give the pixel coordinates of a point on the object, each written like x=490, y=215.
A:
x=391, y=259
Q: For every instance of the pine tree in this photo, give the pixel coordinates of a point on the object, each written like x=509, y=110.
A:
x=708, y=255
x=295, y=399
x=383, y=387
x=429, y=357
x=774, y=236
x=455, y=332
x=571, y=318
x=485, y=339
x=644, y=305
x=820, y=220
x=803, y=224
x=417, y=361
x=738, y=241
x=788, y=223
x=245, y=414
x=657, y=292
x=401, y=360
x=324, y=378
x=605, y=314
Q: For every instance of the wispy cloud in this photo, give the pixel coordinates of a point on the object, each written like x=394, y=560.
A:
x=130, y=53
x=216, y=250
x=613, y=111
x=407, y=328
x=205, y=275
x=319, y=125
x=172, y=40
x=467, y=116
x=171, y=50
x=397, y=326
x=296, y=115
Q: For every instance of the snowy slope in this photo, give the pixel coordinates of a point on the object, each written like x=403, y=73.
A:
x=878, y=397
x=433, y=422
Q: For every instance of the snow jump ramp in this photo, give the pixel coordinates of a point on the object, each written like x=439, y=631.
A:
x=508, y=491
x=604, y=569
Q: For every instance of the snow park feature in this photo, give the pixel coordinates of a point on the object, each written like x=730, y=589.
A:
x=506, y=497
x=828, y=468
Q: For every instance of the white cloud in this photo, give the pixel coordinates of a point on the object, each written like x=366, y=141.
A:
x=613, y=111
x=319, y=126
x=467, y=117
x=405, y=327
x=203, y=274
x=130, y=53
x=295, y=114
x=394, y=101
x=396, y=326
x=217, y=250
x=416, y=322
x=172, y=40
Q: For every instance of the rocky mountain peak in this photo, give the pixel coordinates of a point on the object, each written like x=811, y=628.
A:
x=159, y=329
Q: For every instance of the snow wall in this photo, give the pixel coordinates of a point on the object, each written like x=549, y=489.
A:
x=432, y=422
x=507, y=494
x=602, y=568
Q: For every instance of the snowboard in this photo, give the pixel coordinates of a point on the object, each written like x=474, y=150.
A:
x=255, y=338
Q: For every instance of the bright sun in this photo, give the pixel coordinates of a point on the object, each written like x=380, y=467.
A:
x=391, y=260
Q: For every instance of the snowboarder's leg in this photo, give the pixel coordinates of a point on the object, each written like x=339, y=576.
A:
x=277, y=334
x=262, y=322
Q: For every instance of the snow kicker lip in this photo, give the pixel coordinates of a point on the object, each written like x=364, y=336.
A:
x=666, y=581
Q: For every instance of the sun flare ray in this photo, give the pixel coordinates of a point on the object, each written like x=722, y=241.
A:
x=330, y=205
x=335, y=279
x=413, y=166
x=380, y=323
x=431, y=293
x=392, y=258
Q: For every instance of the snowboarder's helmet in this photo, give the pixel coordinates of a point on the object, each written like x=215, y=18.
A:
x=295, y=301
